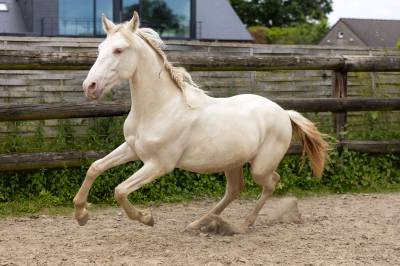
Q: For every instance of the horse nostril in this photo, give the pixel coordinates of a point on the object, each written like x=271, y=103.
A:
x=92, y=86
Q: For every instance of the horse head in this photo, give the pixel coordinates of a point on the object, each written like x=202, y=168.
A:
x=117, y=57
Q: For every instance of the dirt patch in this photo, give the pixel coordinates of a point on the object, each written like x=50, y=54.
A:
x=333, y=230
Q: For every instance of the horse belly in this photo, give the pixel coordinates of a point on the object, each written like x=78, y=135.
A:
x=220, y=149
x=231, y=132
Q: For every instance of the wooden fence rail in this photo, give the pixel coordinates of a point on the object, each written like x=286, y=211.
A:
x=48, y=160
x=40, y=60
x=95, y=109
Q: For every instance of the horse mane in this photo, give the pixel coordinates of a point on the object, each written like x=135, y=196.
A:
x=179, y=75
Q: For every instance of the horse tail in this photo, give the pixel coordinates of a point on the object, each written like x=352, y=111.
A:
x=312, y=139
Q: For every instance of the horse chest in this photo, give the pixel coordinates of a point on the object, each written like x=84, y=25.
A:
x=145, y=140
x=148, y=144
x=165, y=132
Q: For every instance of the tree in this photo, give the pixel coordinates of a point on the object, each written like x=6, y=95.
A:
x=155, y=14
x=278, y=13
x=306, y=33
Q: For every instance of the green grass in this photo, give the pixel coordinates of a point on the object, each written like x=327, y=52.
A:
x=50, y=206
x=34, y=206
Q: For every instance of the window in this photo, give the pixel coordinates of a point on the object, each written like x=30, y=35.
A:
x=340, y=35
x=77, y=17
x=170, y=18
x=128, y=7
x=3, y=7
x=73, y=20
x=103, y=7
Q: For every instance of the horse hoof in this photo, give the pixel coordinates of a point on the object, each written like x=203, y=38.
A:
x=148, y=219
x=82, y=217
x=191, y=231
x=193, y=226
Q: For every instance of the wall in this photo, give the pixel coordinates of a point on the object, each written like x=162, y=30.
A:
x=26, y=11
x=12, y=21
x=34, y=11
x=24, y=86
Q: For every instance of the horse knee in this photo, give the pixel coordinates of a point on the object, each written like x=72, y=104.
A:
x=119, y=194
x=94, y=169
x=272, y=181
x=267, y=181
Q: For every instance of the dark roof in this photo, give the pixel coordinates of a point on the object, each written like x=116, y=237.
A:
x=217, y=20
x=375, y=32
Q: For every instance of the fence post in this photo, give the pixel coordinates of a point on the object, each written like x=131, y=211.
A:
x=340, y=91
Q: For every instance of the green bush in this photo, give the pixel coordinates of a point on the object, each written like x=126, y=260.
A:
x=259, y=34
x=347, y=171
x=104, y=133
x=300, y=34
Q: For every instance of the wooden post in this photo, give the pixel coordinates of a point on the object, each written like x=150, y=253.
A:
x=340, y=91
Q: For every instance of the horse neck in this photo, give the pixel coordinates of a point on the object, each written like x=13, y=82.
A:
x=151, y=88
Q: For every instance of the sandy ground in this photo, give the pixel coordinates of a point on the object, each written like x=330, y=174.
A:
x=333, y=230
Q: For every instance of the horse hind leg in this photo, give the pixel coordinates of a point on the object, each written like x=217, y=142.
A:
x=263, y=173
x=234, y=185
x=268, y=183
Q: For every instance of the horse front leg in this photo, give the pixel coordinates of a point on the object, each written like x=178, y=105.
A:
x=120, y=155
x=149, y=172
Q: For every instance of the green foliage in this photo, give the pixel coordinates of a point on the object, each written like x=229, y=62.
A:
x=104, y=133
x=297, y=34
x=278, y=13
x=398, y=44
x=347, y=171
x=63, y=185
x=14, y=140
x=374, y=125
x=259, y=34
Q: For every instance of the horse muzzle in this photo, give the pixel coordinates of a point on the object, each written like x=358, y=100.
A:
x=92, y=89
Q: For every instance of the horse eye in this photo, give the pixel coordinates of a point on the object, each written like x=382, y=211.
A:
x=117, y=51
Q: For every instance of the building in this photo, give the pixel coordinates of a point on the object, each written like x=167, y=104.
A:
x=173, y=19
x=363, y=32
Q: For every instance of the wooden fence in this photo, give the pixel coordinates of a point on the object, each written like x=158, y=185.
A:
x=339, y=105
x=39, y=60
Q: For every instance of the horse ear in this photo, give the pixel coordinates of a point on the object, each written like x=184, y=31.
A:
x=107, y=24
x=134, y=22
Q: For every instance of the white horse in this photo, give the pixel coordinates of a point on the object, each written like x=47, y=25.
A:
x=174, y=124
